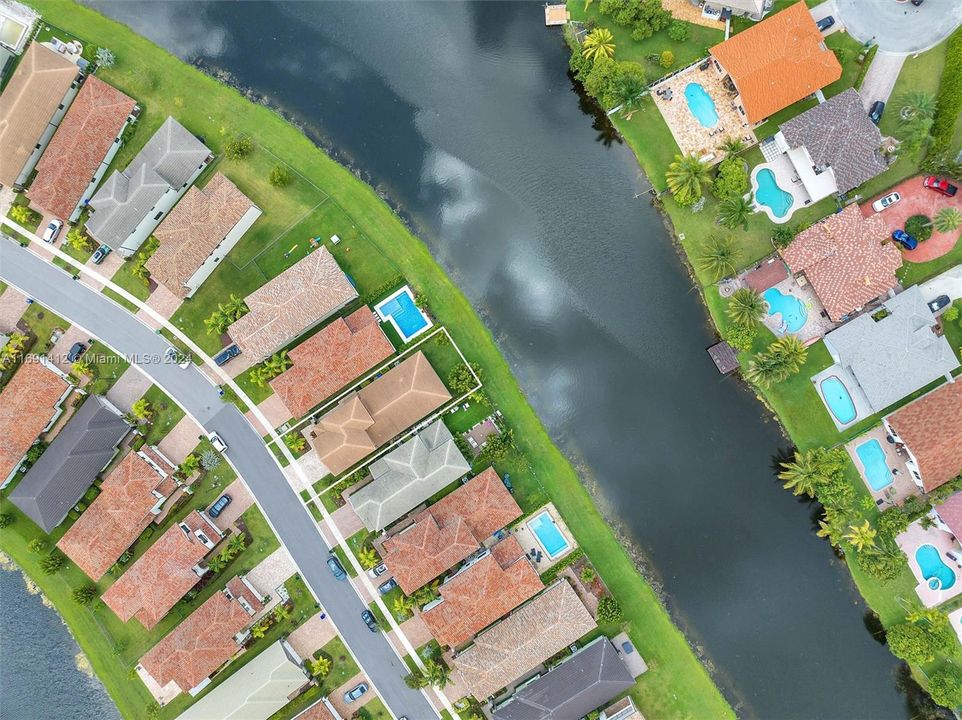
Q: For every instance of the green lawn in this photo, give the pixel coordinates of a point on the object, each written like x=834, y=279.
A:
x=107, y=365
x=167, y=413
x=343, y=668
x=125, y=278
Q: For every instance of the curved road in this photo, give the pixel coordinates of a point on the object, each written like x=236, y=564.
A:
x=195, y=392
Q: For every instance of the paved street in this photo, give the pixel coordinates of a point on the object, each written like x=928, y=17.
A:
x=247, y=453
x=900, y=28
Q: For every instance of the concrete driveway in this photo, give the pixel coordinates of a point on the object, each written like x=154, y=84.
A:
x=824, y=10
x=900, y=27
x=880, y=79
x=948, y=283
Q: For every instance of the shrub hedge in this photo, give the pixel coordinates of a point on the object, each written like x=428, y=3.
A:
x=949, y=101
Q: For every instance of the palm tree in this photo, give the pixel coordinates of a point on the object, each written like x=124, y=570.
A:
x=947, y=219
x=599, y=43
x=402, y=606
x=745, y=307
x=803, y=474
x=735, y=211
x=763, y=370
x=628, y=91
x=733, y=145
x=718, y=256
x=236, y=545
x=861, y=536
x=437, y=673
x=295, y=442
x=915, y=132
x=686, y=177
x=20, y=214
x=321, y=666
x=916, y=103
x=234, y=308
x=790, y=354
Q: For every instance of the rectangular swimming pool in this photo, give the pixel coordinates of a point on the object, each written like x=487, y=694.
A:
x=402, y=312
x=548, y=534
x=877, y=472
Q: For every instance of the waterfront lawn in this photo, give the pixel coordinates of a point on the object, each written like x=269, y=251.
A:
x=166, y=414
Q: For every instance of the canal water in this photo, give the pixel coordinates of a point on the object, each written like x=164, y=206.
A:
x=464, y=117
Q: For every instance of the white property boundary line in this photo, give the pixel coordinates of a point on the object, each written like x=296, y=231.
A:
x=219, y=372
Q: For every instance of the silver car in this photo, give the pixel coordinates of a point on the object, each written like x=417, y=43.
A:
x=354, y=693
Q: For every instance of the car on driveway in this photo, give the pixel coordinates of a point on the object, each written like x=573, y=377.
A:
x=218, y=507
x=76, y=350
x=386, y=587
x=942, y=301
x=905, y=240
x=226, y=355
x=885, y=202
x=875, y=113
x=377, y=570
x=100, y=253
x=940, y=185
x=368, y=617
x=354, y=693
x=53, y=231
x=825, y=23
x=337, y=570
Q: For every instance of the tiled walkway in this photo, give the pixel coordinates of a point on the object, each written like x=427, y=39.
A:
x=13, y=304
x=337, y=697
x=312, y=636
x=241, y=499
x=684, y=10
x=58, y=353
x=272, y=571
x=181, y=440
x=129, y=388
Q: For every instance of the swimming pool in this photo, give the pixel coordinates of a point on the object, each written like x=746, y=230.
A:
x=939, y=575
x=793, y=311
x=873, y=461
x=838, y=400
x=548, y=534
x=403, y=313
x=701, y=105
x=769, y=194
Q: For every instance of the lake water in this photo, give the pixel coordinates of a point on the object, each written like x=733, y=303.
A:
x=462, y=114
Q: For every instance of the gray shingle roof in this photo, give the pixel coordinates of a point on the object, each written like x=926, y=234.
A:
x=838, y=133
x=168, y=160
x=584, y=682
x=896, y=355
x=69, y=466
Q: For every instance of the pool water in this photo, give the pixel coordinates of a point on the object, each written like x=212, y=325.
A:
x=550, y=537
x=939, y=575
x=701, y=105
x=793, y=311
x=838, y=400
x=771, y=195
x=404, y=314
x=873, y=461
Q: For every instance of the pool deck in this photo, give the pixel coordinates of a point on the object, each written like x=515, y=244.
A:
x=913, y=538
x=528, y=539
x=862, y=407
x=389, y=317
x=788, y=181
x=902, y=487
x=816, y=324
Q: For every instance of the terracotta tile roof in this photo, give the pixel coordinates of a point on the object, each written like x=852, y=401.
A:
x=28, y=104
x=766, y=275
x=317, y=711
x=94, y=120
x=778, y=62
x=951, y=513
x=369, y=417
x=297, y=299
x=847, y=258
x=323, y=364
x=479, y=595
x=114, y=520
x=194, y=228
x=931, y=428
x=523, y=640
x=26, y=406
x=161, y=576
x=449, y=531
x=204, y=641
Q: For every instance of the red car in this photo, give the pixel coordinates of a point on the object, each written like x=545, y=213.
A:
x=940, y=185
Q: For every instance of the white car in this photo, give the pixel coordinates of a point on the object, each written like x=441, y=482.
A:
x=887, y=201
x=52, y=231
x=219, y=445
x=172, y=355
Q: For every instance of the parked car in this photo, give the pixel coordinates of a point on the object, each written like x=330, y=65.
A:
x=940, y=185
x=355, y=692
x=875, y=113
x=940, y=302
x=218, y=507
x=226, y=355
x=825, y=23
x=175, y=356
x=100, y=253
x=386, y=587
x=885, y=202
x=52, y=231
x=76, y=350
x=905, y=240
x=337, y=570
x=377, y=570
x=368, y=617
x=215, y=440
x=917, y=3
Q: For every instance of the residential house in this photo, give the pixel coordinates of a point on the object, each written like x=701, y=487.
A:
x=449, y=531
x=186, y=658
x=522, y=641
x=343, y=350
x=164, y=574
x=775, y=63
x=29, y=405
x=488, y=587
x=591, y=677
x=724, y=9
x=257, y=690
x=198, y=233
x=847, y=259
x=80, y=153
x=929, y=430
x=16, y=22
x=81, y=450
x=31, y=107
x=367, y=418
x=131, y=203
x=131, y=496
x=409, y=475
x=299, y=298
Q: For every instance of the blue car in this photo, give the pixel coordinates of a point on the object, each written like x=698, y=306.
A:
x=225, y=355
x=336, y=569
x=905, y=240
x=218, y=507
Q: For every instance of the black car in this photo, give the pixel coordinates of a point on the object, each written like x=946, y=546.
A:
x=940, y=302
x=226, y=355
x=368, y=617
x=917, y=2
x=386, y=587
x=875, y=114
x=218, y=507
x=825, y=23
x=76, y=351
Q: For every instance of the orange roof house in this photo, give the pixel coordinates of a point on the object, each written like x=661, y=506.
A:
x=27, y=404
x=163, y=574
x=321, y=365
x=186, y=658
x=931, y=428
x=847, y=259
x=131, y=496
x=80, y=152
x=450, y=530
x=481, y=593
x=777, y=62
